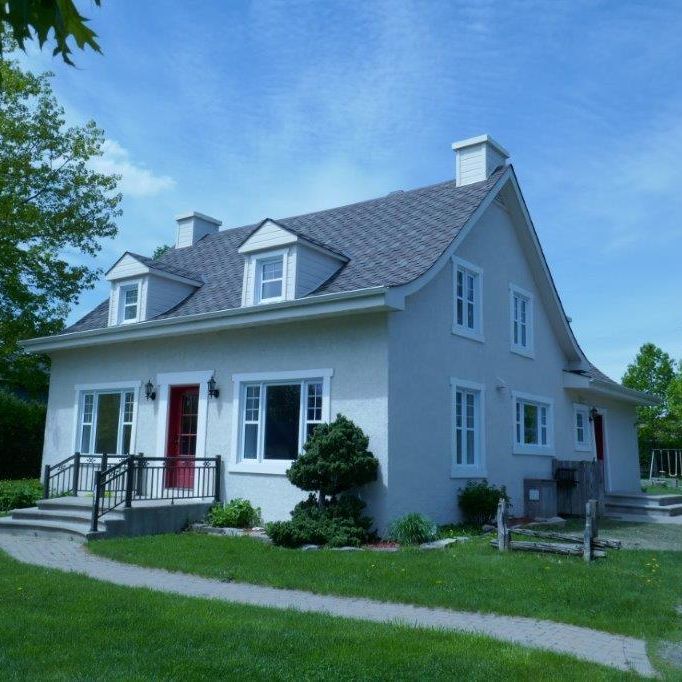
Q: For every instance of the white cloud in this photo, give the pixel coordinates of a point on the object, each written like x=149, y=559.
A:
x=136, y=180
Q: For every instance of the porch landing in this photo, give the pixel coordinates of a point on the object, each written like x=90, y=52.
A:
x=632, y=506
x=71, y=517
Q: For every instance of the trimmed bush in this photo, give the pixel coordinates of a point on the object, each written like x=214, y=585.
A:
x=19, y=494
x=478, y=502
x=22, y=429
x=237, y=513
x=413, y=529
x=339, y=524
x=334, y=459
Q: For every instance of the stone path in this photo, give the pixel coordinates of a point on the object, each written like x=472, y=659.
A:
x=616, y=651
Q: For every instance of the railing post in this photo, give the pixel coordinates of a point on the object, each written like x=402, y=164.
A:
x=140, y=474
x=76, y=473
x=218, y=477
x=46, y=482
x=130, y=480
x=95, y=505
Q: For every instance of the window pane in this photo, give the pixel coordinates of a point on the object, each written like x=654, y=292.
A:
x=314, y=412
x=87, y=407
x=530, y=424
x=271, y=289
x=282, y=414
x=130, y=312
x=85, y=438
x=459, y=446
x=272, y=270
x=310, y=430
x=250, y=441
x=470, y=446
x=131, y=296
x=108, y=411
x=128, y=407
x=470, y=315
x=460, y=311
x=125, y=446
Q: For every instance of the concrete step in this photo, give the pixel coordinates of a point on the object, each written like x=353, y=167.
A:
x=643, y=498
x=643, y=509
x=67, y=503
x=37, y=514
x=77, y=532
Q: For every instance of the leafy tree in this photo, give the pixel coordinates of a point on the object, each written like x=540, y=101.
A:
x=26, y=18
x=51, y=204
x=160, y=250
x=335, y=459
x=653, y=371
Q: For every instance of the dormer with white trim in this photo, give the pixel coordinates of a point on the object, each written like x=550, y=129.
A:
x=281, y=265
x=142, y=288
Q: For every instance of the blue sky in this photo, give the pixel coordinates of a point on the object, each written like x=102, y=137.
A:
x=247, y=110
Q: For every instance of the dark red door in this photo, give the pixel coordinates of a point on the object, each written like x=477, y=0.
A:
x=182, y=436
x=599, y=445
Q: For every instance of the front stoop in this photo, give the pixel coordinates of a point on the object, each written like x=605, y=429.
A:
x=640, y=504
x=71, y=518
x=64, y=517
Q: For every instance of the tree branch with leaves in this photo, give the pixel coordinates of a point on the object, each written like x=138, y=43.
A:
x=54, y=209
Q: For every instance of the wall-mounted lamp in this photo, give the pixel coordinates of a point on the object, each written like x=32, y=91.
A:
x=593, y=413
x=213, y=392
x=149, y=391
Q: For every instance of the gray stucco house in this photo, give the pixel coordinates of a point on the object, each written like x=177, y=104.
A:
x=428, y=316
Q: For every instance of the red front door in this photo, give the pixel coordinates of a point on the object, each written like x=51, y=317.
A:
x=599, y=444
x=182, y=436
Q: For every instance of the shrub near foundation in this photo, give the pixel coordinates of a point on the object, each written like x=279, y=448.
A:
x=237, y=513
x=335, y=459
x=478, y=501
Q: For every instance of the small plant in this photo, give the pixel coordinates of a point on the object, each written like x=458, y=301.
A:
x=413, y=529
x=19, y=494
x=478, y=502
x=237, y=513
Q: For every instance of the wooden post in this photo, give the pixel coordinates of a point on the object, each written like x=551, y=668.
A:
x=590, y=529
x=503, y=536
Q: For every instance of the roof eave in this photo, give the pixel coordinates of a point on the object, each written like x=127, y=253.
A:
x=374, y=299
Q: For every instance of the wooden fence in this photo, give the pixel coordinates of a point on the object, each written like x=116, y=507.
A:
x=577, y=483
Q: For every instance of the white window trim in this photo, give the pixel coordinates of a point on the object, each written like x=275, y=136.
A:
x=104, y=387
x=529, y=349
x=477, y=470
x=122, y=288
x=272, y=467
x=476, y=334
x=164, y=382
x=522, y=448
x=258, y=263
x=586, y=446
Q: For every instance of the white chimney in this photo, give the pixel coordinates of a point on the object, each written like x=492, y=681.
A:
x=477, y=158
x=193, y=226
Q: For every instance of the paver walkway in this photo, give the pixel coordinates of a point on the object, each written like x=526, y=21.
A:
x=616, y=651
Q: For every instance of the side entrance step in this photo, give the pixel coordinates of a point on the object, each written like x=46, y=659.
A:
x=640, y=504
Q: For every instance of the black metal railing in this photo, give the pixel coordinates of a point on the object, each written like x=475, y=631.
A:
x=141, y=479
x=75, y=474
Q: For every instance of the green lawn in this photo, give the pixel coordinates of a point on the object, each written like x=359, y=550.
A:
x=59, y=626
x=629, y=592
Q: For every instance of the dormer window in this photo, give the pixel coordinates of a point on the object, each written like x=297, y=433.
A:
x=129, y=301
x=270, y=279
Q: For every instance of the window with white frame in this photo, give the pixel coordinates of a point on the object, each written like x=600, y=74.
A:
x=128, y=297
x=468, y=427
x=521, y=314
x=278, y=415
x=582, y=428
x=270, y=279
x=468, y=304
x=106, y=420
x=533, y=424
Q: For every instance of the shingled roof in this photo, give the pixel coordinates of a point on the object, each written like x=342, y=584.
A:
x=389, y=241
